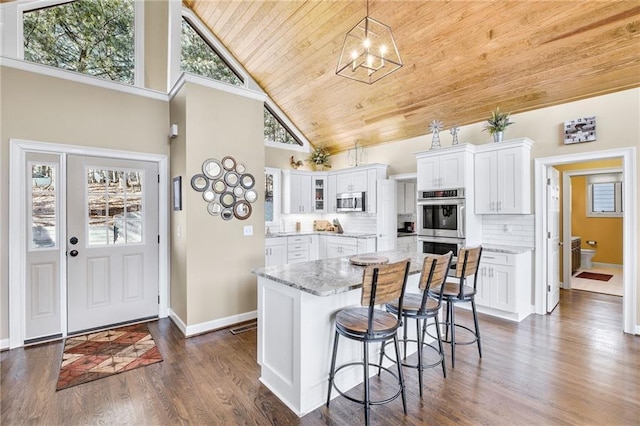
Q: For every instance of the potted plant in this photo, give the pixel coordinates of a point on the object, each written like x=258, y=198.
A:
x=496, y=125
x=320, y=158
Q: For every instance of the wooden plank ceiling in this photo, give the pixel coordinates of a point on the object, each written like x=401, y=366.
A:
x=462, y=59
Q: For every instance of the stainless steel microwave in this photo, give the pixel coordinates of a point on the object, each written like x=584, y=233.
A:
x=351, y=202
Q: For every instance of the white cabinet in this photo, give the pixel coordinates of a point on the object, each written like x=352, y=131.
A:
x=504, y=284
x=352, y=181
x=319, y=190
x=406, y=197
x=275, y=251
x=297, y=249
x=314, y=247
x=444, y=168
x=332, y=190
x=346, y=246
x=503, y=178
x=296, y=192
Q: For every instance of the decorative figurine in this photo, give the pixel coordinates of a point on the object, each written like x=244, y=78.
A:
x=454, y=131
x=435, y=126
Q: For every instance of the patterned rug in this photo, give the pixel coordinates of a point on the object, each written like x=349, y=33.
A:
x=594, y=276
x=105, y=353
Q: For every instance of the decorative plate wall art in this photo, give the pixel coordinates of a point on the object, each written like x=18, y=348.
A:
x=226, y=187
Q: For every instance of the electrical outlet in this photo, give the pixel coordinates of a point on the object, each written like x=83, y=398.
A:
x=248, y=230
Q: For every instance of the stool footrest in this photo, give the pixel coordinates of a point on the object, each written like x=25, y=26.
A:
x=360, y=401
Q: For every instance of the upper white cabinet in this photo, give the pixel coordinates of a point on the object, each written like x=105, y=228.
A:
x=503, y=177
x=358, y=179
x=296, y=192
x=332, y=190
x=352, y=181
x=319, y=189
x=406, y=197
x=443, y=168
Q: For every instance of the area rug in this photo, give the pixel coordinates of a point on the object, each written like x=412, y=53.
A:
x=104, y=353
x=594, y=276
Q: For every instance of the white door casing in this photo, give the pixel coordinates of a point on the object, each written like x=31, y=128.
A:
x=112, y=242
x=18, y=150
x=553, y=238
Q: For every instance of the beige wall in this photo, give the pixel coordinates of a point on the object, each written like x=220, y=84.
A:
x=156, y=41
x=48, y=109
x=218, y=259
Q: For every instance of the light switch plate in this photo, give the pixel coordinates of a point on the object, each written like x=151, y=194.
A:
x=248, y=230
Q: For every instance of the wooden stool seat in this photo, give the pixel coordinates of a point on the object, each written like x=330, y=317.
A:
x=453, y=290
x=413, y=303
x=356, y=320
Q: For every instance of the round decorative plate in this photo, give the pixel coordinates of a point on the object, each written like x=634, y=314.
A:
x=368, y=259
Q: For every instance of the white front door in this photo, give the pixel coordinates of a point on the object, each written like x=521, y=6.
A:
x=112, y=241
x=553, y=242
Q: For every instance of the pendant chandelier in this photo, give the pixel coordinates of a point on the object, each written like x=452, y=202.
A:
x=369, y=52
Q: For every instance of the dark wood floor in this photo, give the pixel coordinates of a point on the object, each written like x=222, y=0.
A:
x=573, y=367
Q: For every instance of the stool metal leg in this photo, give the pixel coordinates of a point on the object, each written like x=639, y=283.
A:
x=440, y=346
x=333, y=366
x=419, y=340
x=475, y=321
x=367, y=405
x=453, y=334
x=399, y=364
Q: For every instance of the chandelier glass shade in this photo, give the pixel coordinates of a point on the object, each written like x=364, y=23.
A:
x=369, y=52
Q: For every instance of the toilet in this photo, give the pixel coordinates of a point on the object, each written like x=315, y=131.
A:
x=585, y=258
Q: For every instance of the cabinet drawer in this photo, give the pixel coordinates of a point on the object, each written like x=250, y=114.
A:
x=498, y=258
x=275, y=241
x=297, y=256
x=297, y=247
x=342, y=241
x=298, y=239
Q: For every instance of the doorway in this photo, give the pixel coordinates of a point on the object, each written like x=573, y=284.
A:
x=123, y=269
x=630, y=226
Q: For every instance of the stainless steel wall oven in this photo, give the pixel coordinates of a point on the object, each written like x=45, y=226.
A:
x=441, y=213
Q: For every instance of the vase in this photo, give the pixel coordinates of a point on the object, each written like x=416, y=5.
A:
x=319, y=167
x=497, y=137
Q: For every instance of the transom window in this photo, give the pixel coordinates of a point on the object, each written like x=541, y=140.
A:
x=115, y=206
x=198, y=57
x=604, y=195
x=94, y=37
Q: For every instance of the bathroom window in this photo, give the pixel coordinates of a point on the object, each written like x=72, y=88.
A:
x=604, y=195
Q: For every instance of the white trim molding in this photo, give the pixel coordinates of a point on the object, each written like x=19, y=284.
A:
x=17, y=228
x=205, y=327
x=187, y=77
x=629, y=224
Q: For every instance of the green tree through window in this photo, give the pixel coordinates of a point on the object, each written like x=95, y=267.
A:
x=94, y=37
x=197, y=57
x=275, y=131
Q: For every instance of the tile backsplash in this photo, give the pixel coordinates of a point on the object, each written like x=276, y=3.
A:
x=360, y=223
x=514, y=230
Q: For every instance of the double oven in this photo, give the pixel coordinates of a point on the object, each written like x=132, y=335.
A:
x=441, y=223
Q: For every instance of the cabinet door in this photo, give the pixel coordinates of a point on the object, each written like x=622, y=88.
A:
x=333, y=250
x=314, y=247
x=332, y=190
x=483, y=287
x=511, y=193
x=451, y=171
x=319, y=188
x=410, y=198
x=343, y=183
x=306, y=191
x=276, y=255
x=360, y=180
x=348, y=250
x=503, y=288
x=400, y=197
x=428, y=172
x=485, y=177
x=371, y=189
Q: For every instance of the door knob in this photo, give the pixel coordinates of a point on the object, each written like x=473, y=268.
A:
x=73, y=253
x=73, y=240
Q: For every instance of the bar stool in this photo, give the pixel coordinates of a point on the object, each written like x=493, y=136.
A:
x=461, y=292
x=368, y=324
x=421, y=308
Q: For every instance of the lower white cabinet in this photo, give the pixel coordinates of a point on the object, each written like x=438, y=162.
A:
x=297, y=249
x=339, y=246
x=504, y=284
x=407, y=243
x=275, y=251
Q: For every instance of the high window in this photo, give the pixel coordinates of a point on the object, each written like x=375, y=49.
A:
x=604, y=195
x=94, y=37
x=276, y=131
x=198, y=57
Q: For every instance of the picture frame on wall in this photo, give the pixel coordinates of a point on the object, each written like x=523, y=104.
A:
x=580, y=130
x=177, y=193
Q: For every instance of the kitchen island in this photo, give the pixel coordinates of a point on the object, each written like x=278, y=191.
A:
x=297, y=304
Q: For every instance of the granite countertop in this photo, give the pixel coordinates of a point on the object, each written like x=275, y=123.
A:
x=498, y=248
x=293, y=234
x=331, y=276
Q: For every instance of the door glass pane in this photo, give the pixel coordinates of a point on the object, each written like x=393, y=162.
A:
x=115, y=206
x=268, y=198
x=43, y=206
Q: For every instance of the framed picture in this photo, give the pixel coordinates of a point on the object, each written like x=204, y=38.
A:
x=177, y=193
x=580, y=130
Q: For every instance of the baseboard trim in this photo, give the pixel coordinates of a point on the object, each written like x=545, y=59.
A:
x=205, y=327
x=4, y=344
x=606, y=265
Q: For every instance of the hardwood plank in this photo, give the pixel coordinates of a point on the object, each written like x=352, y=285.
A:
x=574, y=366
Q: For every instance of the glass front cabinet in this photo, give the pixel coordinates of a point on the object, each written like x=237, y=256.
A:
x=319, y=186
